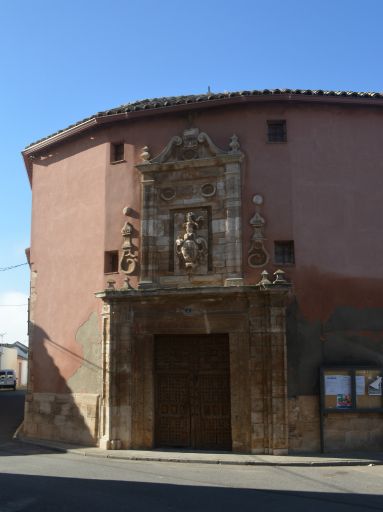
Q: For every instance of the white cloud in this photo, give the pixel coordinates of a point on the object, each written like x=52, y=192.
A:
x=13, y=318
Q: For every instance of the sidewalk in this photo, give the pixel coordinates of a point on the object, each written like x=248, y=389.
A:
x=338, y=459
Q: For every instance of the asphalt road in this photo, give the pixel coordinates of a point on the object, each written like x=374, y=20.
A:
x=37, y=480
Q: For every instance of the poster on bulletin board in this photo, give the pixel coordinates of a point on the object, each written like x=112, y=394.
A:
x=337, y=384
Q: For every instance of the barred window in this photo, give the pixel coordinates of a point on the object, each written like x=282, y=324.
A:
x=117, y=152
x=110, y=262
x=276, y=131
x=284, y=252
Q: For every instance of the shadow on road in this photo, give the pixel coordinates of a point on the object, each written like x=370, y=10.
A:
x=37, y=493
x=18, y=448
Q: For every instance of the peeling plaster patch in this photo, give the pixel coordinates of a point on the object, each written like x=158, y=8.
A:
x=88, y=377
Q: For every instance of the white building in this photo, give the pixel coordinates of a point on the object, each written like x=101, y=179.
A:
x=14, y=356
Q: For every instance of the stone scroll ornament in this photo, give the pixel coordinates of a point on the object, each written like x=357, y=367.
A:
x=128, y=261
x=191, y=248
x=257, y=255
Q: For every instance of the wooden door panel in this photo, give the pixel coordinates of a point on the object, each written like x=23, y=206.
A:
x=193, y=392
x=173, y=410
x=215, y=423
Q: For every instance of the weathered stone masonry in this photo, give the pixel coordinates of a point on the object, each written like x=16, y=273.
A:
x=255, y=322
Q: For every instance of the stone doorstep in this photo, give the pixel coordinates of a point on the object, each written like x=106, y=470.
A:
x=306, y=460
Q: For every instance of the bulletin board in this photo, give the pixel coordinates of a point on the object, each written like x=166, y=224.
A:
x=352, y=388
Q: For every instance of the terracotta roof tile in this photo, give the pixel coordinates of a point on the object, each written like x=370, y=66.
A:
x=154, y=103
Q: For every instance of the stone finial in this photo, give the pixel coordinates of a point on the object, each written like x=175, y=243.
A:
x=234, y=144
x=145, y=155
x=127, y=285
x=279, y=277
x=111, y=284
x=265, y=281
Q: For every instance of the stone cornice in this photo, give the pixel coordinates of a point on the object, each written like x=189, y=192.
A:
x=156, y=294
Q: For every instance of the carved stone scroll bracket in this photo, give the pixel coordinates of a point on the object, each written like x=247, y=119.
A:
x=128, y=261
x=257, y=255
x=190, y=146
x=191, y=248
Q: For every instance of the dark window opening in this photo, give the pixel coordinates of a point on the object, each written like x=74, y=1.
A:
x=117, y=152
x=284, y=252
x=276, y=131
x=110, y=262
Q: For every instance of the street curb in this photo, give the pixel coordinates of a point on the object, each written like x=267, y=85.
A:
x=82, y=452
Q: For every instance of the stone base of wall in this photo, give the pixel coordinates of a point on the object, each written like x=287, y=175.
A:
x=343, y=432
x=353, y=432
x=304, y=424
x=62, y=417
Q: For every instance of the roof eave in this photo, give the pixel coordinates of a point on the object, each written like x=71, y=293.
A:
x=29, y=152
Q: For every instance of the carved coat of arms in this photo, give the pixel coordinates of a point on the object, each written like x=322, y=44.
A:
x=191, y=248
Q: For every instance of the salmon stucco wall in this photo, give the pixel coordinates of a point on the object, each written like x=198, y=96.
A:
x=319, y=189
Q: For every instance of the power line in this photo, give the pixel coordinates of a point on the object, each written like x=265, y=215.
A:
x=13, y=266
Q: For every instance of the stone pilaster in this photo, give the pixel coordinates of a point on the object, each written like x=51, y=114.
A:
x=239, y=386
x=233, y=234
x=148, y=233
x=268, y=373
x=109, y=402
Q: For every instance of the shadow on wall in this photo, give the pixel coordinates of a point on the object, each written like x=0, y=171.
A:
x=53, y=410
x=332, y=320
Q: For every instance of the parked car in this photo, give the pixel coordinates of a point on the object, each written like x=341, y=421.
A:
x=8, y=379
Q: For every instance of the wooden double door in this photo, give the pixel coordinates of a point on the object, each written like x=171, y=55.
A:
x=192, y=392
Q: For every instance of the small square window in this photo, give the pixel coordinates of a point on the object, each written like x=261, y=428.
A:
x=284, y=252
x=117, y=152
x=110, y=262
x=276, y=131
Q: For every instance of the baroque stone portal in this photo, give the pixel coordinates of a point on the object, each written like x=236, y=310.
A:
x=191, y=213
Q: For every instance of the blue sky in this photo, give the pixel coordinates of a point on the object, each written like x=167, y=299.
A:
x=61, y=61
